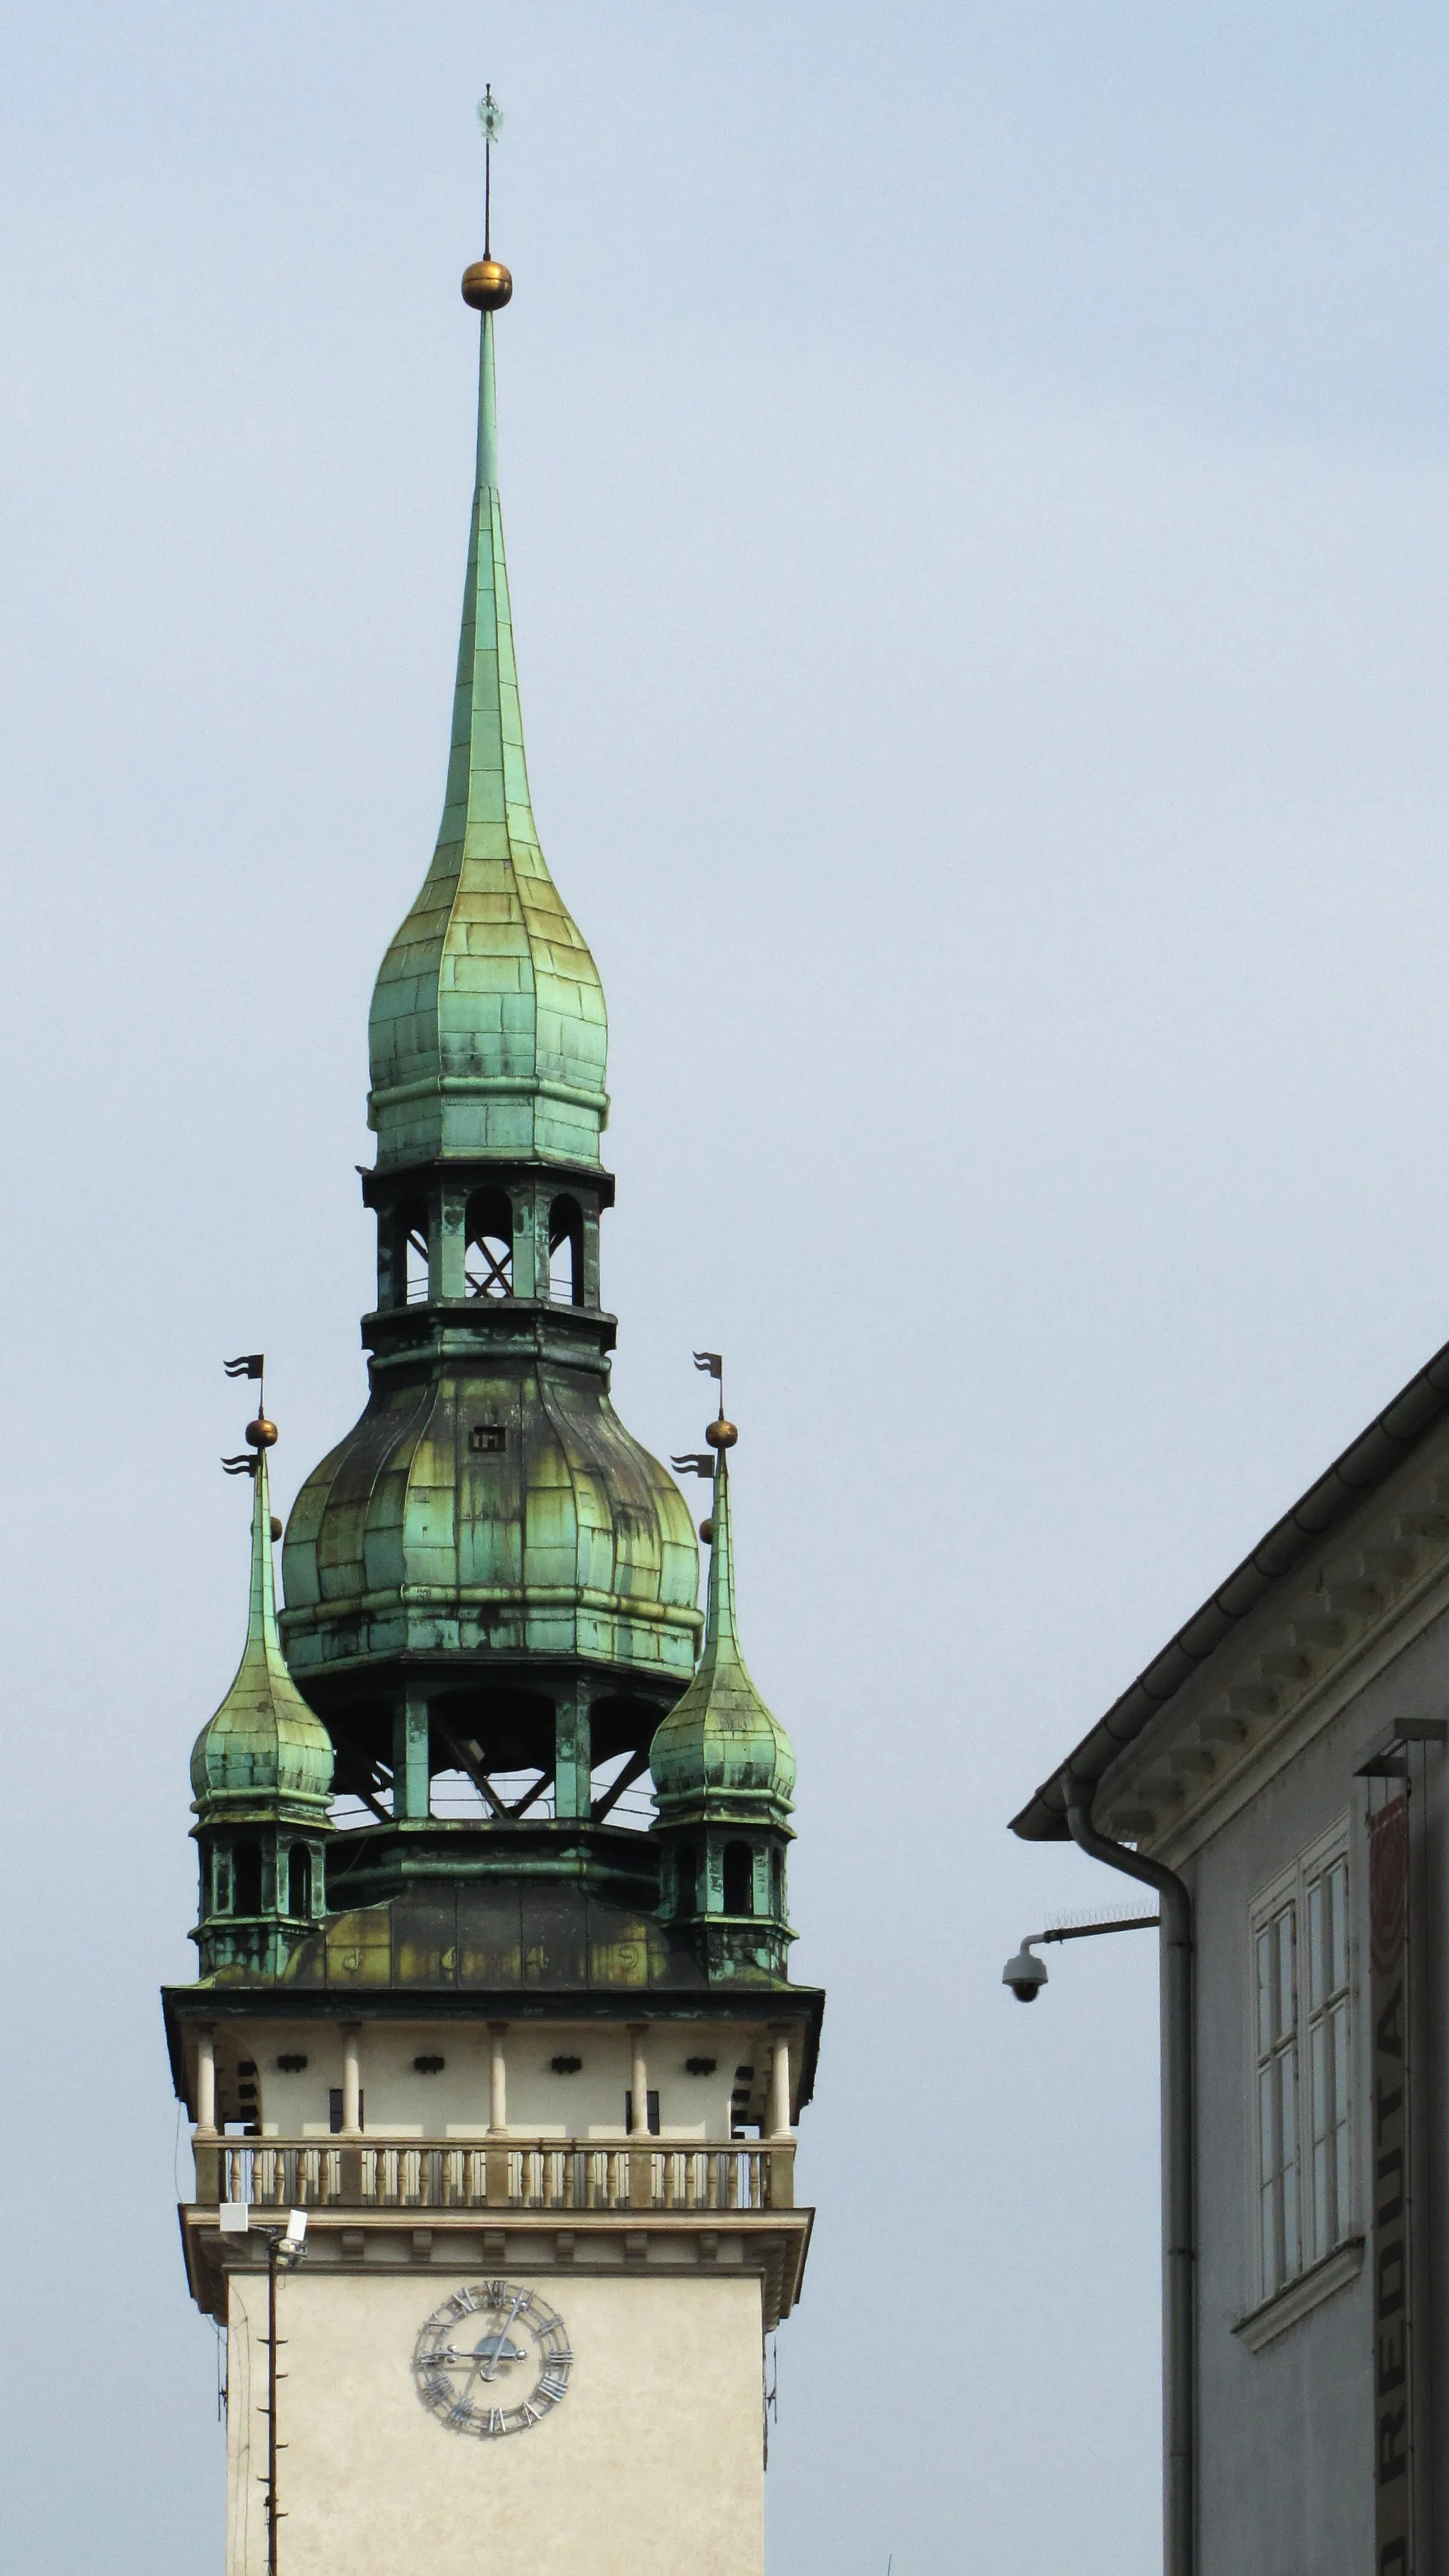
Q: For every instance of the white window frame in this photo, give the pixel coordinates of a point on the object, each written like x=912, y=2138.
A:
x=1301, y=2021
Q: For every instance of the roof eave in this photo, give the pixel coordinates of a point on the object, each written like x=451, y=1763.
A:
x=1365, y=1466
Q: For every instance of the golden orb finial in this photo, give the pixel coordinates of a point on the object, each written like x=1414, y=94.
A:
x=706, y=1531
x=721, y=1434
x=487, y=285
x=261, y=1434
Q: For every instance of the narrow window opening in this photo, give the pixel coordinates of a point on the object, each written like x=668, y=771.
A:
x=334, y=2110
x=651, y=2113
x=566, y=1253
x=299, y=1882
x=488, y=1251
x=687, y=1898
x=247, y=1878
x=415, y=1262
x=739, y=1879
x=221, y=1882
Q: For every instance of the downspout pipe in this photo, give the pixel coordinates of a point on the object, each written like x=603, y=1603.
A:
x=1179, y=2354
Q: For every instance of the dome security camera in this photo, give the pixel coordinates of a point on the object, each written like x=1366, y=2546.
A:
x=1025, y=1974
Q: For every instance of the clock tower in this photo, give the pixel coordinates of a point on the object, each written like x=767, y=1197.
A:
x=492, y=2056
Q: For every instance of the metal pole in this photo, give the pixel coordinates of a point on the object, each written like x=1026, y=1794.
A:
x=272, y=2255
x=1179, y=2401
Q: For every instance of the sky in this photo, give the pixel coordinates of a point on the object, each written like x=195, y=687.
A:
x=975, y=481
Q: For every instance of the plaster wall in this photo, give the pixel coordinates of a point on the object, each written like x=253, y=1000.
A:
x=1286, y=2434
x=652, y=2463
x=454, y=2102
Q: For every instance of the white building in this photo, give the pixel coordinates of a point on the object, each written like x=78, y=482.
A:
x=1283, y=1761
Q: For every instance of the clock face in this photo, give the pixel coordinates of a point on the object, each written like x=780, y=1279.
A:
x=493, y=2359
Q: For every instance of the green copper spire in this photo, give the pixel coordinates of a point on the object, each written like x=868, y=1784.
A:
x=261, y=1777
x=264, y=1749
x=488, y=1035
x=719, y=1751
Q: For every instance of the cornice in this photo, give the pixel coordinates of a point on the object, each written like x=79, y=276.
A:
x=1270, y=1688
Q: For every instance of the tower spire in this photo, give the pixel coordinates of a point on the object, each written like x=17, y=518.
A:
x=488, y=1035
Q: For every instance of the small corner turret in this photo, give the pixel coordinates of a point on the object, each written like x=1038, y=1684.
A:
x=261, y=1772
x=723, y=1772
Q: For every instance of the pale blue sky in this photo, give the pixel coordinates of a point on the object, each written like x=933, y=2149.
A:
x=975, y=484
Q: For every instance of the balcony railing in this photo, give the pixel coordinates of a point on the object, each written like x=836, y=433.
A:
x=548, y=2174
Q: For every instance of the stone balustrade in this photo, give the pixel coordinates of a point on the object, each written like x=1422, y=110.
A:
x=545, y=2174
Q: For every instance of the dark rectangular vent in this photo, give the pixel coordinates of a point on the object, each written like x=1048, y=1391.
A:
x=488, y=1435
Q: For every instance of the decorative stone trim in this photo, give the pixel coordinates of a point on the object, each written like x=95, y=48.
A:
x=1262, y=2325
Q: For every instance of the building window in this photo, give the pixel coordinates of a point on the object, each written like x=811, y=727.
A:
x=1277, y=1945
x=1303, y=2058
x=1328, y=2053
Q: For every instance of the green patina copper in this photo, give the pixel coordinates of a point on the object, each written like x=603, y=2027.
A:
x=723, y=1771
x=263, y=1753
x=488, y=1034
x=261, y=1779
x=489, y=1509
x=566, y=1539
x=720, y=1755
x=489, y=1582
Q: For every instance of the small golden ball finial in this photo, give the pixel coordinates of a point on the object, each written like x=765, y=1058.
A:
x=706, y=1531
x=261, y=1434
x=721, y=1434
x=487, y=285
x=276, y=1528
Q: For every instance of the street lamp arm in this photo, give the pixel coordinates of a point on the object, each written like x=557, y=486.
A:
x=1089, y=1931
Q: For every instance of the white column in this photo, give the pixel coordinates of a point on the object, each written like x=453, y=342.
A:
x=206, y=2082
x=351, y=2079
x=639, y=2124
x=780, y=2086
x=497, y=2078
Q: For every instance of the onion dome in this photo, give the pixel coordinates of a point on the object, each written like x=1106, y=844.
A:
x=491, y=1510
x=264, y=1751
x=719, y=1753
x=488, y=1035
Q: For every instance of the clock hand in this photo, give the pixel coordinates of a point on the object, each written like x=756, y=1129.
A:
x=492, y=2370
